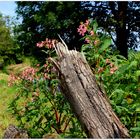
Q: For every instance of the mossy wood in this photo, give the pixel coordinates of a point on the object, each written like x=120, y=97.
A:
x=88, y=101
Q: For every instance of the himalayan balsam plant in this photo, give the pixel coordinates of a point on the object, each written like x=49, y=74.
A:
x=119, y=76
x=39, y=105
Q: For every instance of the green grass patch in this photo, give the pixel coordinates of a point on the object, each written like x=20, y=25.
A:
x=3, y=76
x=6, y=95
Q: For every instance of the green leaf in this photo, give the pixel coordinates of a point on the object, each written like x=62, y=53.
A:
x=106, y=43
x=138, y=73
x=133, y=64
x=137, y=129
x=118, y=110
x=95, y=25
x=118, y=94
x=138, y=109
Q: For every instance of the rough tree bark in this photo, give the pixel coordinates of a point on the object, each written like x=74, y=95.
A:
x=88, y=101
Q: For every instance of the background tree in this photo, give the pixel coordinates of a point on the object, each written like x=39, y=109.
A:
x=8, y=48
x=121, y=20
x=47, y=19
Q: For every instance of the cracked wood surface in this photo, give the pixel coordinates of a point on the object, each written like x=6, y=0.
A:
x=89, y=103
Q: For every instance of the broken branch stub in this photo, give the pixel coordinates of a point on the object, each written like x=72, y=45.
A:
x=89, y=103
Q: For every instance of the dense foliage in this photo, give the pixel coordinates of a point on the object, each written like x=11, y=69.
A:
x=40, y=106
x=120, y=78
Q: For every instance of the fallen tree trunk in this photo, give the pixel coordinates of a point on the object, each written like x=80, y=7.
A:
x=88, y=101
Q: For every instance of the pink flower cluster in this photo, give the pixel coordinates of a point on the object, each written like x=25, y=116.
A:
x=113, y=67
x=38, y=65
x=100, y=70
x=47, y=43
x=107, y=61
x=29, y=74
x=96, y=42
x=112, y=70
x=87, y=40
x=91, y=33
x=83, y=28
x=45, y=65
x=12, y=79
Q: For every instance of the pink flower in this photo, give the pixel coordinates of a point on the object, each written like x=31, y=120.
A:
x=87, y=40
x=82, y=29
x=45, y=65
x=40, y=44
x=112, y=70
x=29, y=74
x=45, y=76
x=100, y=70
x=48, y=43
x=91, y=33
x=107, y=61
x=12, y=79
x=96, y=42
x=87, y=22
x=46, y=39
x=38, y=65
x=111, y=64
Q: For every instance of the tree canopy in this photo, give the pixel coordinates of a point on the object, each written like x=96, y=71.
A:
x=121, y=20
x=47, y=19
x=8, y=47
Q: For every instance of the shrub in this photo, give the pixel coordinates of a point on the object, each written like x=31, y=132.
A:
x=119, y=77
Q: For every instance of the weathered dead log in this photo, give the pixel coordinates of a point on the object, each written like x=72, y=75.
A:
x=88, y=102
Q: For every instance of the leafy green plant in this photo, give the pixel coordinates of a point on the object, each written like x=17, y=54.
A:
x=119, y=77
x=124, y=93
x=39, y=105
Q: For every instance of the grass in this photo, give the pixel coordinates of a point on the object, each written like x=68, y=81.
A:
x=16, y=69
x=6, y=95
